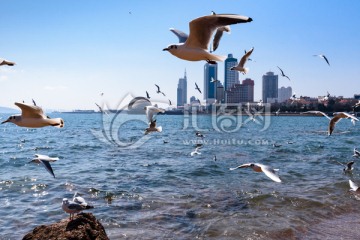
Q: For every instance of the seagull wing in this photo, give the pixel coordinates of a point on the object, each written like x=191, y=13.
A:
x=202, y=28
x=6, y=62
x=147, y=95
x=158, y=87
x=181, y=35
x=319, y=112
x=353, y=186
x=245, y=57
x=271, y=173
x=241, y=166
x=326, y=59
x=29, y=111
x=47, y=166
x=218, y=35
x=282, y=73
x=151, y=111
x=334, y=120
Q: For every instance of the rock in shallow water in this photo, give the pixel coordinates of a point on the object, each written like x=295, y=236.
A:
x=84, y=226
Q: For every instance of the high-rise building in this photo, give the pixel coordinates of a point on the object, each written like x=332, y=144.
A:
x=269, y=87
x=182, y=91
x=210, y=72
x=284, y=93
x=220, y=93
x=239, y=93
x=248, y=92
x=231, y=76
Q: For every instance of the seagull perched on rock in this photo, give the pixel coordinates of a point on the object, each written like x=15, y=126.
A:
x=45, y=161
x=72, y=207
x=197, y=88
x=283, y=74
x=240, y=67
x=323, y=57
x=196, y=46
x=6, y=62
x=33, y=117
x=257, y=167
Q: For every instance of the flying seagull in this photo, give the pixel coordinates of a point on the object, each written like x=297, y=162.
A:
x=213, y=80
x=170, y=102
x=196, y=46
x=45, y=161
x=337, y=118
x=197, y=88
x=6, y=62
x=158, y=90
x=283, y=74
x=147, y=95
x=354, y=187
x=150, y=112
x=323, y=57
x=33, y=117
x=240, y=66
x=347, y=167
x=257, y=167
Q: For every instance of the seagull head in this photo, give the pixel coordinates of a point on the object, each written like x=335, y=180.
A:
x=12, y=119
x=65, y=201
x=172, y=48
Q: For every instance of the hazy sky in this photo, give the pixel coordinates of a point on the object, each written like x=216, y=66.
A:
x=68, y=52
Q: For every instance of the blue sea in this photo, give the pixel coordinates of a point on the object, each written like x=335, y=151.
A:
x=149, y=187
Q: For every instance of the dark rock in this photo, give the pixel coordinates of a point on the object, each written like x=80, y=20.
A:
x=84, y=226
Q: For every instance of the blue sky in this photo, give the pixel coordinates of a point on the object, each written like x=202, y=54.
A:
x=68, y=52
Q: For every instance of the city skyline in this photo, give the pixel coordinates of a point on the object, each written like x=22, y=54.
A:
x=68, y=53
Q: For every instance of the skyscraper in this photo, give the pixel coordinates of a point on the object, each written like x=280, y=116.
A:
x=182, y=91
x=210, y=72
x=248, y=92
x=231, y=76
x=284, y=93
x=269, y=87
x=239, y=93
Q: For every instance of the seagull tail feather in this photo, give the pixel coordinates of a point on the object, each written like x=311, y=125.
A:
x=159, y=129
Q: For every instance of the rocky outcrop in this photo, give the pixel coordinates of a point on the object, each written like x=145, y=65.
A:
x=84, y=226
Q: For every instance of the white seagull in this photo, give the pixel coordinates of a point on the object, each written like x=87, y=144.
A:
x=6, y=62
x=196, y=46
x=45, y=161
x=72, y=207
x=354, y=187
x=323, y=57
x=195, y=152
x=257, y=167
x=33, y=117
x=240, y=67
x=348, y=167
x=151, y=111
x=337, y=118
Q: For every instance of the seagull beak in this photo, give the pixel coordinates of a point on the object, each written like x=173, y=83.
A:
x=5, y=121
x=166, y=49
